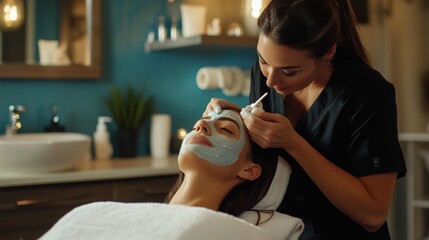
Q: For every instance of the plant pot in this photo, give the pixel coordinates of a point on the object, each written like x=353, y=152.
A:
x=127, y=142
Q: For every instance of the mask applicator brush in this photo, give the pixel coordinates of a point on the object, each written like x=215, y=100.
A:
x=252, y=106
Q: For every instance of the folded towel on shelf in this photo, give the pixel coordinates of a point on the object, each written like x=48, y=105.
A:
x=157, y=221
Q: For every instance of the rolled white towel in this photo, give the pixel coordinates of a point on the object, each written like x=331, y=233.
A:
x=236, y=85
x=224, y=77
x=246, y=84
x=207, y=78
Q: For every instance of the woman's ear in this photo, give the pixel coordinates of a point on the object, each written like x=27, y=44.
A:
x=331, y=53
x=250, y=171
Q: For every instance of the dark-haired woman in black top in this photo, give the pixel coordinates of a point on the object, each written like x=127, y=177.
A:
x=330, y=115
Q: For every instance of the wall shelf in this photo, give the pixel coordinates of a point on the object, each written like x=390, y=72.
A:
x=202, y=40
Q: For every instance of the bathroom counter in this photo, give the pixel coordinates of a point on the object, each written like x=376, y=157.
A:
x=94, y=171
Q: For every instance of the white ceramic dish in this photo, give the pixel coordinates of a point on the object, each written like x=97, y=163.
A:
x=43, y=152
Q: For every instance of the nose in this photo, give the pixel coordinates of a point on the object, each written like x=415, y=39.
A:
x=202, y=127
x=272, y=76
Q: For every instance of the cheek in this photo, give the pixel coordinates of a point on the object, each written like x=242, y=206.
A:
x=309, y=77
x=189, y=163
x=303, y=79
x=301, y=82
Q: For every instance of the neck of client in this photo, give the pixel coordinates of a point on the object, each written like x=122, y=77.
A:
x=201, y=191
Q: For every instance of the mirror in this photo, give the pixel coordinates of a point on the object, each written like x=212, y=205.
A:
x=72, y=49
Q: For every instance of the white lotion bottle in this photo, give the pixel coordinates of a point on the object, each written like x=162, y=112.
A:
x=102, y=147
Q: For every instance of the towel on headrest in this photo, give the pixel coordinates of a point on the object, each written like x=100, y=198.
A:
x=151, y=221
x=278, y=225
x=277, y=190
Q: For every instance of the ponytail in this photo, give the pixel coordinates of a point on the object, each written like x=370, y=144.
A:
x=349, y=32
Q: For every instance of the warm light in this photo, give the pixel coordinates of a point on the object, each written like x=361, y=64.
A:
x=256, y=8
x=181, y=133
x=11, y=14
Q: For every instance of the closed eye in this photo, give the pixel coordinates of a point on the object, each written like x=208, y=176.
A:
x=288, y=74
x=227, y=130
x=262, y=61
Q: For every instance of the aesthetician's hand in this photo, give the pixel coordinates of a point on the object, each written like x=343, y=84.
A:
x=269, y=130
x=217, y=104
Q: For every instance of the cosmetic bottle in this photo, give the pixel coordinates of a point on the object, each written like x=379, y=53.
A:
x=102, y=147
x=162, y=33
x=173, y=29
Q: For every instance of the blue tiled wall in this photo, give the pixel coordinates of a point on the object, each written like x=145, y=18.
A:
x=168, y=76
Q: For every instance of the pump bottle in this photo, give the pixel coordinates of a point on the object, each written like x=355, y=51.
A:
x=102, y=147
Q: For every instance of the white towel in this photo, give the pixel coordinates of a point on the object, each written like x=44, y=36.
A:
x=278, y=225
x=278, y=187
x=151, y=221
x=157, y=221
x=207, y=78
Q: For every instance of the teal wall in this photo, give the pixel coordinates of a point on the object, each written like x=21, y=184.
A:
x=168, y=76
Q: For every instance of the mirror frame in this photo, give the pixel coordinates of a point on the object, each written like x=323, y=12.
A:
x=91, y=72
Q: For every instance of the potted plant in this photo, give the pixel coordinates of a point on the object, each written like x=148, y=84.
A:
x=129, y=109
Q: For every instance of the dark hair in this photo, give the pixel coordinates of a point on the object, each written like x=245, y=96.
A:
x=315, y=25
x=246, y=195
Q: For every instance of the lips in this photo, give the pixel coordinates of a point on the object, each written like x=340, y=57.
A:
x=199, y=139
x=279, y=89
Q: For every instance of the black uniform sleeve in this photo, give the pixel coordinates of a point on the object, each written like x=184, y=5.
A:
x=373, y=145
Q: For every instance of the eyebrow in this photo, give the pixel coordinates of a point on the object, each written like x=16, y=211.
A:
x=222, y=118
x=284, y=68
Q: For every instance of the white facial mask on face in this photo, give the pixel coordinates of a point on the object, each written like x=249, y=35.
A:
x=225, y=150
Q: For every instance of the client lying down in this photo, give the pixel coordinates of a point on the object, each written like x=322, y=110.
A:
x=224, y=191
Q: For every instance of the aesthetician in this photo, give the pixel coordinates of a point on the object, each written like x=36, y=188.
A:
x=329, y=114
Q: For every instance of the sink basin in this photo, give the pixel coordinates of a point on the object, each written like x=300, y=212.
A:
x=43, y=152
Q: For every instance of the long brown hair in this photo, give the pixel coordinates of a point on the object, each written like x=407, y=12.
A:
x=315, y=25
x=247, y=194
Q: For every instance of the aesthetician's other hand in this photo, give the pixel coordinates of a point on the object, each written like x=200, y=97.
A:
x=217, y=104
x=269, y=130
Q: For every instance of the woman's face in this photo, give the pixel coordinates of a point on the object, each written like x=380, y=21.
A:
x=218, y=141
x=217, y=138
x=287, y=69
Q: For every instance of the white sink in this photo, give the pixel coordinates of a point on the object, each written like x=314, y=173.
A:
x=43, y=152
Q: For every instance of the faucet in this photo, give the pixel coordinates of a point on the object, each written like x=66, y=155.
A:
x=14, y=123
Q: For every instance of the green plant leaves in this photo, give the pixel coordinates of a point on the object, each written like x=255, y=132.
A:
x=129, y=108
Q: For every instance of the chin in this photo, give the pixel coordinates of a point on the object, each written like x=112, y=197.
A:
x=189, y=161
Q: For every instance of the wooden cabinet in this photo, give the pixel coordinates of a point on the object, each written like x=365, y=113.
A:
x=29, y=211
x=147, y=190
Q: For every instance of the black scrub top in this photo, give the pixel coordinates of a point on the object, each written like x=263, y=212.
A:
x=353, y=123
